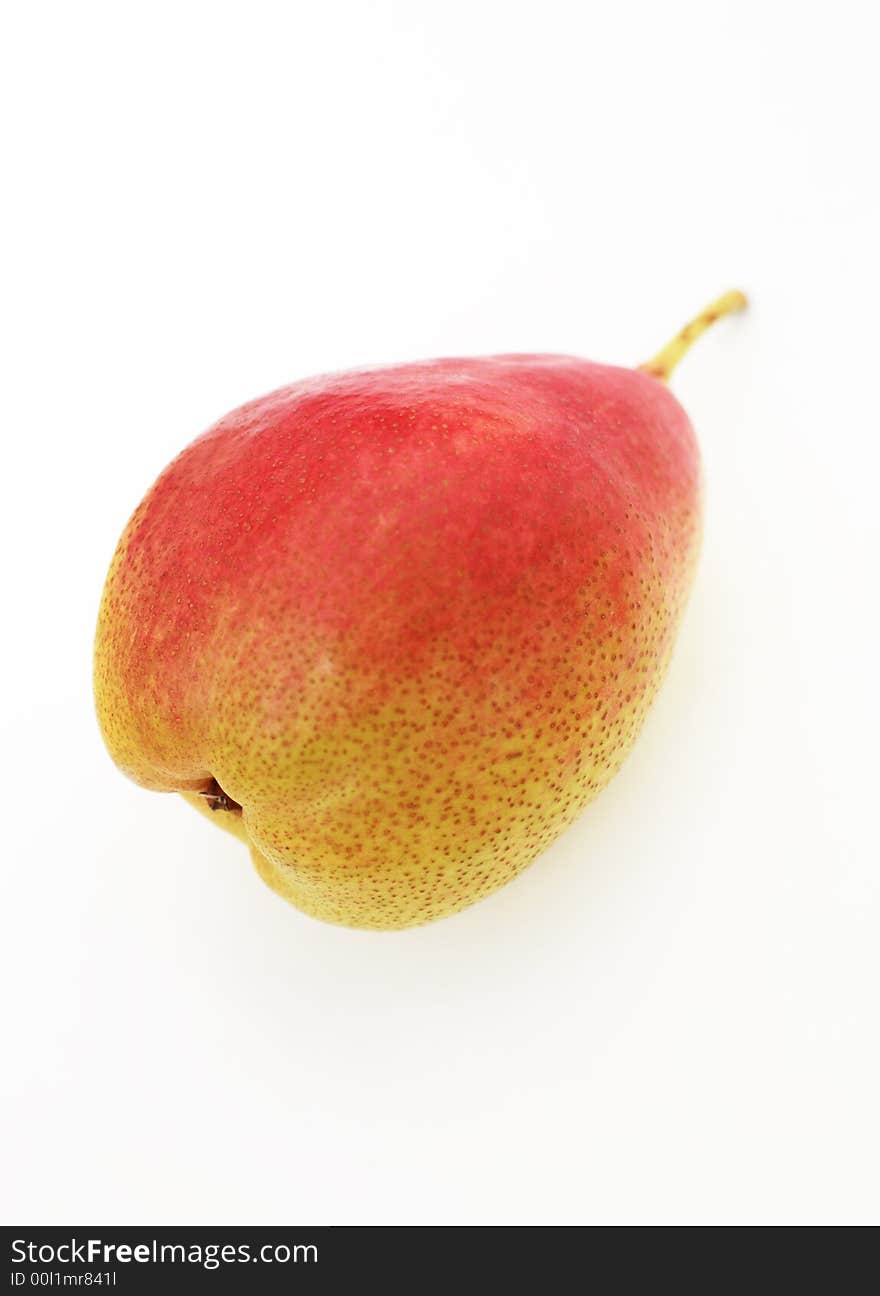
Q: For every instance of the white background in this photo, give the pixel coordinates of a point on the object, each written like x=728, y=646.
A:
x=673, y=1016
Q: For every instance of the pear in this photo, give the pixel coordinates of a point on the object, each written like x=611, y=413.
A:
x=395, y=628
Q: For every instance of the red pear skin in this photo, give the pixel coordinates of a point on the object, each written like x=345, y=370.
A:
x=397, y=627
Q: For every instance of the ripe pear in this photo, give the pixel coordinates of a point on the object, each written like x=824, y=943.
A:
x=395, y=628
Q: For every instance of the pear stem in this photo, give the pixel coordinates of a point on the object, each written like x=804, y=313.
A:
x=217, y=799
x=663, y=363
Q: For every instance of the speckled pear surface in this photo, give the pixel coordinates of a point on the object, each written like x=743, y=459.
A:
x=396, y=628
